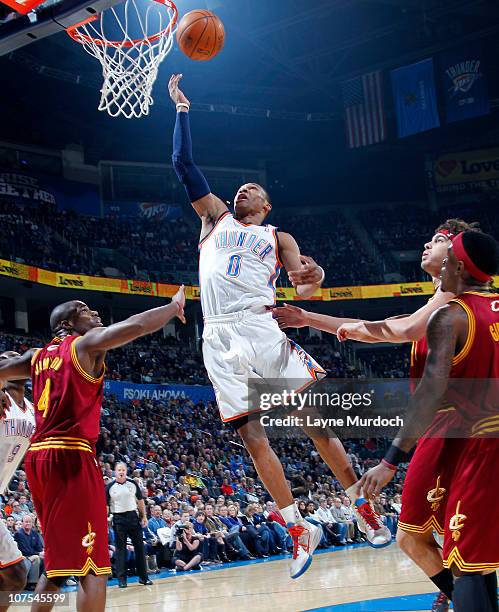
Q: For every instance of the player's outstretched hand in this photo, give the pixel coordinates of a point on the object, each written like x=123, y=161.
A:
x=179, y=298
x=176, y=94
x=349, y=331
x=290, y=316
x=309, y=273
x=4, y=404
x=375, y=479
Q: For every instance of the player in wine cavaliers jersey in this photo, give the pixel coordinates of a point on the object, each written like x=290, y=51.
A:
x=63, y=474
x=240, y=259
x=422, y=510
x=462, y=370
x=16, y=428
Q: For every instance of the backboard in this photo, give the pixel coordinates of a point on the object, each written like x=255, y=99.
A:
x=33, y=20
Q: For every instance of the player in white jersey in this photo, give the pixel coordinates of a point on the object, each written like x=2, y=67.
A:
x=240, y=260
x=17, y=425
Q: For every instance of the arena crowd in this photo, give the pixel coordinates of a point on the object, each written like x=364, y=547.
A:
x=65, y=241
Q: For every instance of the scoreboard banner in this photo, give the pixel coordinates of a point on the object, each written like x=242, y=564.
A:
x=83, y=282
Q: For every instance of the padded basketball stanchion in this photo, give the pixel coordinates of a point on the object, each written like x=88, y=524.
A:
x=129, y=66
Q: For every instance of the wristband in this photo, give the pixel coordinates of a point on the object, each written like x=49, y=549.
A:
x=389, y=465
x=180, y=105
x=323, y=275
x=395, y=455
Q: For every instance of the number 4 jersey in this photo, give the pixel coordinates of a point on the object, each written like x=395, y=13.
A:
x=67, y=399
x=238, y=266
x=16, y=430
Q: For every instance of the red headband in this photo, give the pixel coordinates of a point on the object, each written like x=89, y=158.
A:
x=462, y=255
x=446, y=233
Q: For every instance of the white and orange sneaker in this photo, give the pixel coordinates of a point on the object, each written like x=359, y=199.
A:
x=371, y=525
x=306, y=538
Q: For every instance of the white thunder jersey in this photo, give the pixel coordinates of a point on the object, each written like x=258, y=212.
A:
x=16, y=430
x=238, y=267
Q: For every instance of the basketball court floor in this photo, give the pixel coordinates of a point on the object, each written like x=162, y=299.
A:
x=352, y=579
x=345, y=576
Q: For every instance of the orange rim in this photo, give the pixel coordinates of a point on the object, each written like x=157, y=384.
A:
x=81, y=38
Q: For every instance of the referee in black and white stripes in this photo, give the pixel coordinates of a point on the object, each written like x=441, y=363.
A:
x=126, y=504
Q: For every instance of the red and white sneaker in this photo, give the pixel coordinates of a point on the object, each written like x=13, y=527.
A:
x=440, y=603
x=306, y=538
x=371, y=525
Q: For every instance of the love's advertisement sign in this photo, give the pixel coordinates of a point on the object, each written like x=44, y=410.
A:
x=467, y=172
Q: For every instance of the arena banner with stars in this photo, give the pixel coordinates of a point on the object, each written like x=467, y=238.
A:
x=83, y=282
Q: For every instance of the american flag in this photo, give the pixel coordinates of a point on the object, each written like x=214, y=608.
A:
x=364, y=110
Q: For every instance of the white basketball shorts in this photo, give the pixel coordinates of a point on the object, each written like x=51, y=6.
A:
x=249, y=345
x=9, y=552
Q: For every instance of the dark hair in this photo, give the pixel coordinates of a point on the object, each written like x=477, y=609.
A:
x=456, y=226
x=483, y=250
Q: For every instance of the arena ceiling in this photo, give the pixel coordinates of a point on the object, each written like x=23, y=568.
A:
x=286, y=56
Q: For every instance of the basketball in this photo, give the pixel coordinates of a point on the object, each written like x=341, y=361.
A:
x=200, y=35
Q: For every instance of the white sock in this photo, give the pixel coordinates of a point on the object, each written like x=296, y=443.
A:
x=354, y=492
x=291, y=514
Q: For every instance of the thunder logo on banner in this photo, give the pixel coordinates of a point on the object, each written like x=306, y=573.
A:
x=464, y=84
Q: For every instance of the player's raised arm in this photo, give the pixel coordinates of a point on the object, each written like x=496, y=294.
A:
x=403, y=328
x=16, y=368
x=305, y=274
x=396, y=330
x=101, y=339
x=292, y=316
x=207, y=205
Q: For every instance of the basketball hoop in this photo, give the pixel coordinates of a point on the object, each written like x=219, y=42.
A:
x=130, y=65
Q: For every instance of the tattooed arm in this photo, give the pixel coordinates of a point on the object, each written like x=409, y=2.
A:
x=446, y=335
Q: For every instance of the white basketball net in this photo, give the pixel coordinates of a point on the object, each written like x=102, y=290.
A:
x=129, y=66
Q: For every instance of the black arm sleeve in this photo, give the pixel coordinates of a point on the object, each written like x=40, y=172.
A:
x=187, y=172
